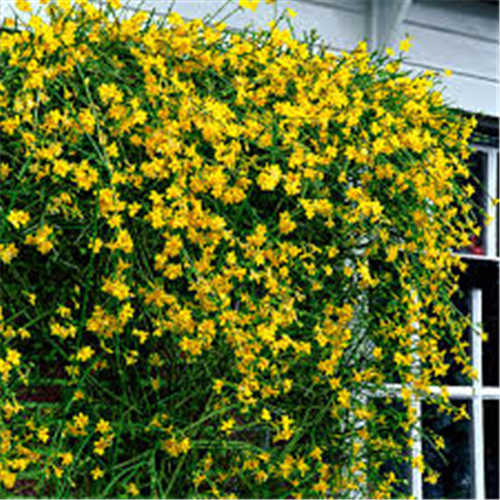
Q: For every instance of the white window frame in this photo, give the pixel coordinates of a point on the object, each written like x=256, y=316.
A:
x=476, y=393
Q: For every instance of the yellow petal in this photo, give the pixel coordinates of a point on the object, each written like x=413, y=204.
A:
x=249, y=4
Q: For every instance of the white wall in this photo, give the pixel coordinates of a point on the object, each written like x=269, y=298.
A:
x=340, y=23
x=461, y=35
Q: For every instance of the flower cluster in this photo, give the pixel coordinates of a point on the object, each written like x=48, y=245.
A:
x=218, y=249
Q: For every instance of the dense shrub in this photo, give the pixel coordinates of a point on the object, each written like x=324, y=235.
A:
x=218, y=249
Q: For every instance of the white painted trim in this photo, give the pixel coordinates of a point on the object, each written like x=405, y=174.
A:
x=416, y=430
x=477, y=401
x=477, y=318
x=492, y=190
x=416, y=451
x=478, y=447
x=488, y=393
x=390, y=15
x=384, y=21
x=485, y=258
x=454, y=391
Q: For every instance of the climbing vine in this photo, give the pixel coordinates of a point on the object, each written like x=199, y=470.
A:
x=219, y=250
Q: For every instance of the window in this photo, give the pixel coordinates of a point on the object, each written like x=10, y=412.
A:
x=484, y=170
x=468, y=466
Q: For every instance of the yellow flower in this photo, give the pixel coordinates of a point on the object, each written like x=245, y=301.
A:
x=269, y=178
x=13, y=357
x=462, y=414
x=405, y=45
x=249, y=4
x=432, y=478
x=103, y=426
x=96, y=245
x=23, y=6
x=66, y=458
x=344, y=398
x=116, y=288
x=18, y=218
x=79, y=395
x=43, y=434
x=317, y=453
x=439, y=442
x=287, y=466
x=218, y=385
x=265, y=415
x=97, y=473
x=286, y=225
x=418, y=463
x=287, y=430
x=87, y=120
x=131, y=357
x=64, y=4
x=115, y=4
x=5, y=171
x=228, y=426
x=41, y=239
x=8, y=252
x=132, y=489
x=81, y=420
x=101, y=445
x=85, y=353
x=112, y=150
x=291, y=12
x=31, y=298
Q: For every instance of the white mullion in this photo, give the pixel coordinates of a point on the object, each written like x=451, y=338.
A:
x=416, y=451
x=416, y=430
x=455, y=391
x=362, y=491
x=490, y=393
x=477, y=351
x=492, y=190
x=477, y=403
x=478, y=457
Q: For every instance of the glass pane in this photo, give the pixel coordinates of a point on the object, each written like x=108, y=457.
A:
x=454, y=463
x=490, y=326
x=391, y=436
x=497, y=211
x=463, y=302
x=491, y=448
x=479, y=170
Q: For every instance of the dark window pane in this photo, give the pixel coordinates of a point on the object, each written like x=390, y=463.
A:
x=497, y=211
x=479, y=169
x=381, y=459
x=454, y=463
x=463, y=302
x=490, y=325
x=491, y=448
